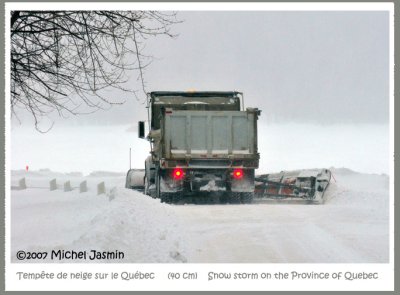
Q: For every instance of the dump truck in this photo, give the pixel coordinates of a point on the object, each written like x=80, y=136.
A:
x=202, y=145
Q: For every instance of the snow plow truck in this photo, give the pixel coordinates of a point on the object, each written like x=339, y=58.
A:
x=202, y=146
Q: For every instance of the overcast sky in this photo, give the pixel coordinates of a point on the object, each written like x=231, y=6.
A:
x=319, y=67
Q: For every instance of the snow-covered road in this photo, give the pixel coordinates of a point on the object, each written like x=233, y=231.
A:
x=352, y=225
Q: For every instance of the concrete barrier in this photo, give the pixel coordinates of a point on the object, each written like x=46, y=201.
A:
x=22, y=183
x=67, y=186
x=101, y=188
x=53, y=184
x=83, y=187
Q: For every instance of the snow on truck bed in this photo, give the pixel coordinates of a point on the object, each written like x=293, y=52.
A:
x=352, y=225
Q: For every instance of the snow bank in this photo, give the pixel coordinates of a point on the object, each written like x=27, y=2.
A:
x=141, y=227
x=352, y=226
x=106, y=174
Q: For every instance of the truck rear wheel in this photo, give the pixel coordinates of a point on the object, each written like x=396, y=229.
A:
x=177, y=197
x=246, y=198
x=157, y=192
x=147, y=188
x=166, y=198
x=234, y=198
x=223, y=199
x=241, y=197
x=170, y=197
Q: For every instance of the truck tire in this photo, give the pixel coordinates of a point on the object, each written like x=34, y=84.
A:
x=171, y=198
x=223, y=199
x=177, y=197
x=149, y=189
x=234, y=198
x=166, y=198
x=157, y=188
x=146, y=186
x=246, y=198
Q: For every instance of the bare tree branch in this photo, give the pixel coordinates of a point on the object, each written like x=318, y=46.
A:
x=62, y=60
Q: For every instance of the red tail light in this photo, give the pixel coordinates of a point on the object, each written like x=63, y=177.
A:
x=238, y=173
x=177, y=173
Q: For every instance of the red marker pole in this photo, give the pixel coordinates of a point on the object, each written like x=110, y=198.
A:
x=26, y=167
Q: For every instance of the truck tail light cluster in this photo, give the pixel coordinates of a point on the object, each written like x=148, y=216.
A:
x=238, y=173
x=177, y=173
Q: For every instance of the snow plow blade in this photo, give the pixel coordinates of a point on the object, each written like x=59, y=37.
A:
x=300, y=184
x=135, y=179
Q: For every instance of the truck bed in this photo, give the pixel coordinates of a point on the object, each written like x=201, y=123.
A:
x=210, y=134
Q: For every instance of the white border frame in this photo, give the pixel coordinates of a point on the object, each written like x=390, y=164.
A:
x=386, y=270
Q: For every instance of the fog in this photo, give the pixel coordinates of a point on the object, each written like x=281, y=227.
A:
x=288, y=146
x=301, y=67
